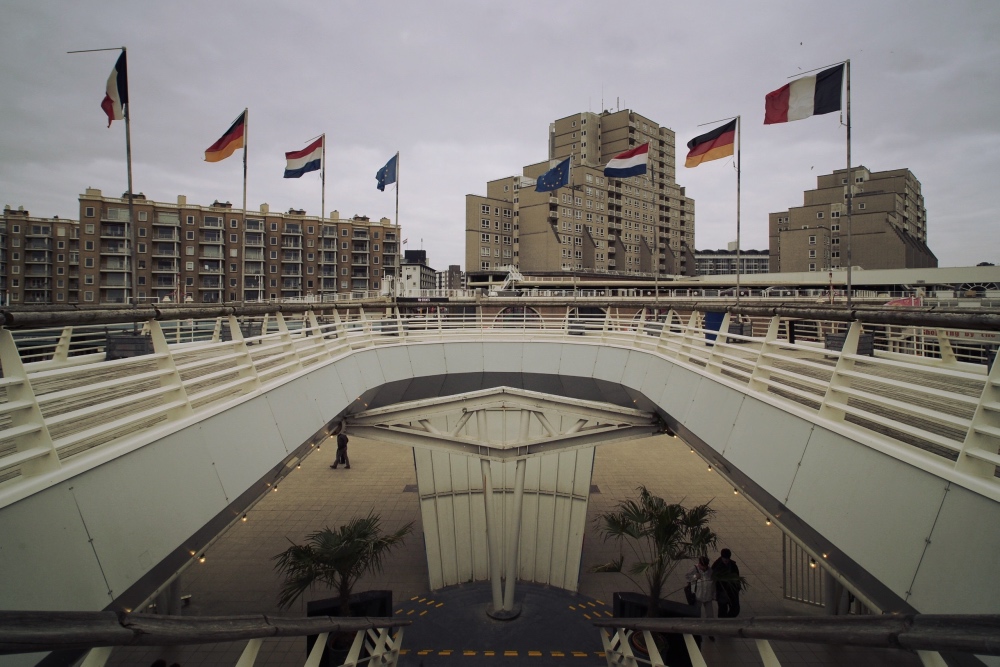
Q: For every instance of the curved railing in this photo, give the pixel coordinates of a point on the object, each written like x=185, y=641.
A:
x=925, y=634
x=98, y=633
x=918, y=396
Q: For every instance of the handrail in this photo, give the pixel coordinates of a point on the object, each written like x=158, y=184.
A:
x=31, y=631
x=26, y=318
x=978, y=634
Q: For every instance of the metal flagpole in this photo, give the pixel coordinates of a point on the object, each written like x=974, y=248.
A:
x=130, y=226
x=398, y=277
x=739, y=138
x=246, y=143
x=130, y=291
x=322, y=176
x=850, y=180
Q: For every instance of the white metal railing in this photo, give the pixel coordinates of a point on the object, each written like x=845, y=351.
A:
x=373, y=641
x=938, y=413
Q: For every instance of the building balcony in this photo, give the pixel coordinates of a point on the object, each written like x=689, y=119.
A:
x=112, y=232
x=291, y=284
x=255, y=225
x=38, y=258
x=165, y=282
x=254, y=241
x=113, y=283
x=114, y=250
x=166, y=251
x=165, y=267
x=254, y=255
x=329, y=245
x=210, y=252
x=360, y=234
x=293, y=256
x=212, y=224
x=294, y=230
x=38, y=244
x=114, y=265
x=37, y=271
x=328, y=273
x=329, y=232
x=160, y=235
x=291, y=270
x=209, y=283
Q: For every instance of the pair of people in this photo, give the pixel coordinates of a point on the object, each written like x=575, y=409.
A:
x=718, y=582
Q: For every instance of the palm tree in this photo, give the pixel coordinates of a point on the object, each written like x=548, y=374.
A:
x=660, y=536
x=336, y=559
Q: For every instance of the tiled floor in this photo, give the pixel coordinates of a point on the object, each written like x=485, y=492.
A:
x=238, y=575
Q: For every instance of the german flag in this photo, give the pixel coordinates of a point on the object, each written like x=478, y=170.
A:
x=712, y=145
x=228, y=142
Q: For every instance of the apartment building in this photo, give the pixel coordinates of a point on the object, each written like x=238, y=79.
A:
x=192, y=253
x=643, y=225
x=888, y=224
x=416, y=274
x=453, y=278
x=39, y=259
x=723, y=262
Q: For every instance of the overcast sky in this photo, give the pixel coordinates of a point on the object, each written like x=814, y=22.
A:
x=465, y=91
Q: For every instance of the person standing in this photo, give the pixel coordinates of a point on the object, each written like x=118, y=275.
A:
x=703, y=587
x=341, y=451
x=726, y=573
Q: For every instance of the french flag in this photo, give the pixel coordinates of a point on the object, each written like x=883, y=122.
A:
x=808, y=96
x=308, y=159
x=116, y=95
x=630, y=163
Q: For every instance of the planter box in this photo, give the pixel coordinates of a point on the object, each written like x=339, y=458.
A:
x=634, y=605
x=369, y=603
x=249, y=330
x=866, y=343
x=124, y=346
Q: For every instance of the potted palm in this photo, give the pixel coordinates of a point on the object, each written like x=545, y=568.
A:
x=659, y=536
x=337, y=559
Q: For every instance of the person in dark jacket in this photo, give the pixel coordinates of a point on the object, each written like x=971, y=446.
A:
x=726, y=575
x=341, y=452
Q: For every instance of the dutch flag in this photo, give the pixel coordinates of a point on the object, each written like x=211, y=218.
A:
x=630, y=163
x=308, y=159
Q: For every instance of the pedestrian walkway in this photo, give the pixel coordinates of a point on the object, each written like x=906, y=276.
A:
x=450, y=626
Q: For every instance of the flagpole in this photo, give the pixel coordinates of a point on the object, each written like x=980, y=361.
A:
x=322, y=178
x=850, y=181
x=398, y=277
x=739, y=139
x=130, y=226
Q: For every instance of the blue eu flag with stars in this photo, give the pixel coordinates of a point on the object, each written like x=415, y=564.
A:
x=554, y=178
x=387, y=174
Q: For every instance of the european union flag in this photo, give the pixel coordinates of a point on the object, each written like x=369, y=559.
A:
x=387, y=174
x=554, y=178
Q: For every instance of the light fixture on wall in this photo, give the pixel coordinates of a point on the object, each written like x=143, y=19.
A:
x=767, y=521
x=201, y=558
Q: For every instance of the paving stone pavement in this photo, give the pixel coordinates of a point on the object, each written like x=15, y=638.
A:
x=238, y=575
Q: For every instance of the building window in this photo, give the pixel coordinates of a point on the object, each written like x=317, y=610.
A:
x=142, y=216
x=819, y=215
x=88, y=212
x=233, y=238
x=189, y=266
x=812, y=240
x=88, y=280
x=190, y=219
x=87, y=228
x=87, y=296
x=835, y=228
x=87, y=245
x=812, y=254
x=861, y=207
x=88, y=262
x=812, y=267
x=274, y=226
x=142, y=247
x=190, y=235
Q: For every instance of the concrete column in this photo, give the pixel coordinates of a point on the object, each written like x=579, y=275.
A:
x=492, y=535
x=514, y=538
